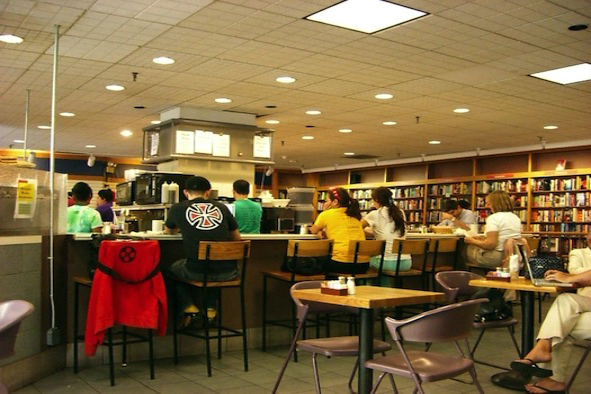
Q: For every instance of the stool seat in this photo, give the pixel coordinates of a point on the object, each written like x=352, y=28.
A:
x=228, y=283
x=410, y=272
x=339, y=346
x=286, y=276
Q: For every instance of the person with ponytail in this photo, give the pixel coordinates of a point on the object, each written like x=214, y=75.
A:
x=387, y=223
x=340, y=221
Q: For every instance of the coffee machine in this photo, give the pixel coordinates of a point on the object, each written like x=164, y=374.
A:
x=300, y=200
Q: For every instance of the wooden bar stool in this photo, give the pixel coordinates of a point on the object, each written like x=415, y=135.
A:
x=416, y=248
x=437, y=246
x=209, y=253
x=364, y=250
x=318, y=249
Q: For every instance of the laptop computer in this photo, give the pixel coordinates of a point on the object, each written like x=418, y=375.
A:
x=541, y=282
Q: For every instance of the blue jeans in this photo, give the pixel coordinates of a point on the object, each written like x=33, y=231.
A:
x=184, y=298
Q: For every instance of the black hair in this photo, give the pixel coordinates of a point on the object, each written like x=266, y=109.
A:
x=345, y=201
x=106, y=194
x=81, y=192
x=241, y=187
x=383, y=196
x=197, y=184
x=464, y=204
x=449, y=205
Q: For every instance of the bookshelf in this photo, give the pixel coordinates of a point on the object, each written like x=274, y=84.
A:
x=517, y=189
x=440, y=192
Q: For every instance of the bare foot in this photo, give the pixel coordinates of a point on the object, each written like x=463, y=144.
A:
x=539, y=354
x=545, y=386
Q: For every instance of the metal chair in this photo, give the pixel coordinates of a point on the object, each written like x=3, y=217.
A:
x=451, y=323
x=210, y=252
x=587, y=346
x=329, y=347
x=455, y=286
x=320, y=249
x=12, y=313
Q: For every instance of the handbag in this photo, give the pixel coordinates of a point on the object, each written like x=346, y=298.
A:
x=495, y=309
x=540, y=264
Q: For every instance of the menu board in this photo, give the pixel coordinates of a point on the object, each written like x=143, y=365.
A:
x=185, y=142
x=203, y=142
x=221, y=145
x=261, y=147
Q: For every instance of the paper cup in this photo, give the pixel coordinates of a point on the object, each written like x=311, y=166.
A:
x=157, y=226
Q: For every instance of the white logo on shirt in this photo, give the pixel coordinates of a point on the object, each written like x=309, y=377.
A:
x=204, y=216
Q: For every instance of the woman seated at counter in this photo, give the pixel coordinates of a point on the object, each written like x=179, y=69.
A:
x=340, y=221
x=386, y=223
x=500, y=226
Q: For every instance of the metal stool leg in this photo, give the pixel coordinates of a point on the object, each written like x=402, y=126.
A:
x=264, y=326
x=111, y=362
x=206, y=326
x=151, y=341
x=175, y=317
x=124, y=344
x=219, y=322
x=76, y=305
x=244, y=339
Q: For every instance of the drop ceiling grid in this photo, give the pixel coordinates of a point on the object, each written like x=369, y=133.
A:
x=44, y=17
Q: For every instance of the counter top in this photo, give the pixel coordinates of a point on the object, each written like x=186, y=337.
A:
x=173, y=237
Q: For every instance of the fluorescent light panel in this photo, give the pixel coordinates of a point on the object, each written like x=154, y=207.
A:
x=566, y=75
x=366, y=16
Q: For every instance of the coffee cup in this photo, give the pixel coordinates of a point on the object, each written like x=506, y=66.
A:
x=157, y=226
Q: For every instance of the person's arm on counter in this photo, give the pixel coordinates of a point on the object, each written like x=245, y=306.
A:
x=168, y=230
x=318, y=227
x=235, y=235
x=488, y=243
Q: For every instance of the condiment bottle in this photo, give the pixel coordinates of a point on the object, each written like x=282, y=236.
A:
x=165, y=193
x=351, y=285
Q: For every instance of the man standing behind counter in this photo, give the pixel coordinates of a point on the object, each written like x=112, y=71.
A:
x=248, y=213
x=456, y=216
x=200, y=219
x=82, y=218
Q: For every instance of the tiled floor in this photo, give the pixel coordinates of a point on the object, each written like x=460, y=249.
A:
x=228, y=376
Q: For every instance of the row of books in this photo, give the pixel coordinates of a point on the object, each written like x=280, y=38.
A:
x=580, y=182
x=561, y=227
x=450, y=189
x=483, y=214
x=410, y=204
x=518, y=202
x=562, y=200
x=406, y=192
x=510, y=186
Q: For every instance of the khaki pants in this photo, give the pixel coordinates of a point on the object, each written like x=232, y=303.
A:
x=485, y=258
x=565, y=323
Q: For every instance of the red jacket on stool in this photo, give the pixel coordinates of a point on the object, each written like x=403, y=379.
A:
x=127, y=289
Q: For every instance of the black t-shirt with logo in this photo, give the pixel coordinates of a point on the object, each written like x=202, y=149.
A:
x=202, y=220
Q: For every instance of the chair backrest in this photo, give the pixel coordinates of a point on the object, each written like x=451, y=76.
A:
x=309, y=248
x=230, y=250
x=410, y=246
x=455, y=284
x=129, y=261
x=445, y=324
x=306, y=307
x=11, y=315
x=443, y=245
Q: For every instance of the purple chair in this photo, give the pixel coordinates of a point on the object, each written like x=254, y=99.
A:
x=328, y=347
x=450, y=323
x=11, y=315
x=455, y=286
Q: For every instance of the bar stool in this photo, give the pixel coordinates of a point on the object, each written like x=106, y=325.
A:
x=364, y=250
x=414, y=247
x=210, y=253
x=127, y=277
x=442, y=245
x=319, y=249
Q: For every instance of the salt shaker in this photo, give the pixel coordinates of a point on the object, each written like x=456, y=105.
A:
x=351, y=285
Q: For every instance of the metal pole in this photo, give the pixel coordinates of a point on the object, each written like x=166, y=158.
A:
x=26, y=125
x=51, y=175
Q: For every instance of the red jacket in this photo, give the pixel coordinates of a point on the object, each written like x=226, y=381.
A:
x=113, y=301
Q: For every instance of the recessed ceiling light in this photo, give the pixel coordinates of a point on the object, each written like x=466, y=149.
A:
x=308, y=137
x=435, y=142
x=345, y=131
x=313, y=112
x=389, y=123
x=90, y=146
x=384, y=96
x=163, y=60
x=285, y=79
x=155, y=122
x=67, y=114
x=565, y=75
x=139, y=107
x=115, y=88
x=272, y=121
x=44, y=127
x=550, y=127
x=367, y=16
x=461, y=110
x=10, y=39
x=349, y=153
x=223, y=100
x=19, y=141
x=126, y=133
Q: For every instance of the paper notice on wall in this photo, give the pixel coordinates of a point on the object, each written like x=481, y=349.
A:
x=26, y=198
x=261, y=147
x=185, y=142
x=154, y=141
x=203, y=142
x=221, y=145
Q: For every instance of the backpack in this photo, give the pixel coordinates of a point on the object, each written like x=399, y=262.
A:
x=495, y=309
x=304, y=265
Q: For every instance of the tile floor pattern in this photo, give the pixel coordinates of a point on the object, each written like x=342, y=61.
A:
x=228, y=375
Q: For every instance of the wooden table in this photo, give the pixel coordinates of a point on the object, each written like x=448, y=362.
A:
x=527, y=289
x=368, y=298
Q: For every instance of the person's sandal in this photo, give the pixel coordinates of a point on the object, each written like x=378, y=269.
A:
x=531, y=369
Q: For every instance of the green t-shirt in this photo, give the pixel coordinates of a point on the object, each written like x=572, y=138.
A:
x=82, y=219
x=248, y=215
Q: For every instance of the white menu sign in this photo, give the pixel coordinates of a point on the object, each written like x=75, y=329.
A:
x=221, y=145
x=261, y=147
x=203, y=142
x=185, y=142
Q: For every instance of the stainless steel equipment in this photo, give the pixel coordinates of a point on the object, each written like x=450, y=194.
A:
x=277, y=220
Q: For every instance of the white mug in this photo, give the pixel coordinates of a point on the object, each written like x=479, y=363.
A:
x=157, y=226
